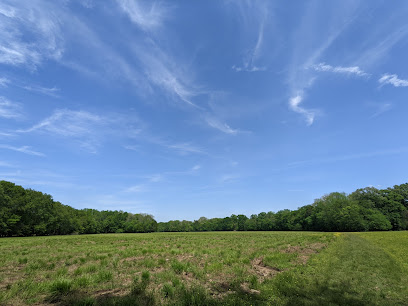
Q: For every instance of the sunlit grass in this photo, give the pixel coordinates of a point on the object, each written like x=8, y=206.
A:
x=233, y=268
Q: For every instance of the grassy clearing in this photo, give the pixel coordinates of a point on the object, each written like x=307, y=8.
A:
x=352, y=271
x=161, y=268
x=230, y=268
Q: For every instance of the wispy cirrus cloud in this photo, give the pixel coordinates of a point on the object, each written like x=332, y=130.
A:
x=9, y=110
x=348, y=157
x=182, y=148
x=88, y=129
x=217, y=124
x=353, y=70
x=4, y=164
x=68, y=123
x=309, y=48
x=393, y=79
x=185, y=148
x=227, y=178
x=23, y=149
x=381, y=109
x=168, y=72
x=34, y=19
x=294, y=104
x=253, y=17
x=4, y=82
x=148, y=15
x=43, y=90
x=150, y=180
x=160, y=71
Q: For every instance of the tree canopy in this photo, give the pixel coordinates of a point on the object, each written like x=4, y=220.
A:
x=26, y=212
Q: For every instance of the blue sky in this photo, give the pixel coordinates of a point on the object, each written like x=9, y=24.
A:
x=184, y=109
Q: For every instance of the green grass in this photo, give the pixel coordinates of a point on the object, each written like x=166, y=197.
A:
x=229, y=268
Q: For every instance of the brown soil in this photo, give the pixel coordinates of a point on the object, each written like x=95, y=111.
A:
x=304, y=252
x=245, y=288
x=262, y=270
x=101, y=294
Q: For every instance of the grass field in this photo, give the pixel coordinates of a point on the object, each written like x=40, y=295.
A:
x=231, y=268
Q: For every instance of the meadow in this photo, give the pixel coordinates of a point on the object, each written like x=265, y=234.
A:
x=208, y=268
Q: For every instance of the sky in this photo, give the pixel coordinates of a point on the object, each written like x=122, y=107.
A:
x=183, y=109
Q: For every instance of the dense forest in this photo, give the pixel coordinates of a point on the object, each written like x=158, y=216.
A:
x=26, y=212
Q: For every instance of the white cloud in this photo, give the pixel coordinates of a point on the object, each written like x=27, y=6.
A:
x=253, y=16
x=23, y=149
x=294, y=103
x=168, y=74
x=185, y=148
x=228, y=178
x=8, y=109
x=354, y=70
x=196, y=168
x=310, y=42
x=6, y=165
x=30, y=32
x=155, y=178
x=382, y=108
x=68, y=123
x=146, y=14
x=43, y=90
x=248, y=68
x=85, y=128
x=334, y=159
x=136, y=188
x=393, y=80
x=4, y=82
x=223, y=127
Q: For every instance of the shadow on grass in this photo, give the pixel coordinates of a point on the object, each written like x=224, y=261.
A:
x=326, y=293
x=185, y=296
x=318, y=294
x=191, y=296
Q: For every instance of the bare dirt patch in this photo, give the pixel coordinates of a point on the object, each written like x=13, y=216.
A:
x=262, y=270
x=102, y=294
x=134, y=258
x=303, y=252
x=245, y=288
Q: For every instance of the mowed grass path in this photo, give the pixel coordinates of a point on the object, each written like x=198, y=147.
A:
x=231, y=268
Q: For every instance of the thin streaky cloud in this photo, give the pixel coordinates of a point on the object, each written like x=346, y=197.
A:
x=67, y=123
x=4, y=82
x=253, y=17
x=43, y=90
x=354, y=70
x=380, y=49
x=23, y=149
x=6, y=165
x=87, y=129
x=9, y=110
x=382, y=109
x=148, y=15
x=393, y=79
x=161, y=71
x=347, y=157
x=5, y=134
x=223, y=127
x=155, y=178
x=294, y=104
x=136, y=188
x=228, y=178
x=185, y=148
x=196, y=168
x=308, y=48
x=41, y=21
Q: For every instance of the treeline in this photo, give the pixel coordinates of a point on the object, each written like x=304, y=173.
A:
x=26, y=212
x=367, y=209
